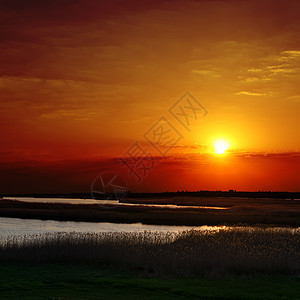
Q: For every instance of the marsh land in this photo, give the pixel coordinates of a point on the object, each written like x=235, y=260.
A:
x=175, y=210
x=255, y=256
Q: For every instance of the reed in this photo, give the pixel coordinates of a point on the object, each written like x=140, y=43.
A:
x=237, y=250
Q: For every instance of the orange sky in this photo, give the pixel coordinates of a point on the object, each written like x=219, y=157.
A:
x=81, y=81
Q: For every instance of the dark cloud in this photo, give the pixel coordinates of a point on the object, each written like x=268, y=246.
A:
x=170, y=173
x=73, y=11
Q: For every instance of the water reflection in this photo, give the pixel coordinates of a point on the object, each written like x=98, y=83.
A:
x=22, y=227
x=101, y=202
x=26, y=227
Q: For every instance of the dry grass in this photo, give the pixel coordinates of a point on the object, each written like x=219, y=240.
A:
x=240, y=251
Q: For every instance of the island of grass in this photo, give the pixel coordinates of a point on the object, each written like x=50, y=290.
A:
x=176, y=209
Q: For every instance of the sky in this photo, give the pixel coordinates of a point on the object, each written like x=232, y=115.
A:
x=84, y=82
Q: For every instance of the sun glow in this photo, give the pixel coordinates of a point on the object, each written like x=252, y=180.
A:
x=221, y=146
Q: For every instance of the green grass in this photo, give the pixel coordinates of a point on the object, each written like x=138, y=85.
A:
x=82, y=281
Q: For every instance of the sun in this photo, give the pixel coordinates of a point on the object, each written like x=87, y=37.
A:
x=221, y=146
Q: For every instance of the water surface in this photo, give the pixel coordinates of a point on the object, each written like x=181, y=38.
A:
x=22, y=227
x=101, y=202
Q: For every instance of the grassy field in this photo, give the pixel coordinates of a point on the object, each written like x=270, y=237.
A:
x=82, y=281
x=239, y=263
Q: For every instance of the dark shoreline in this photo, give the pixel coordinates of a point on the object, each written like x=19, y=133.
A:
x=131, y=195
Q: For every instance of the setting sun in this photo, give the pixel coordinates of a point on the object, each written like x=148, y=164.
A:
x=221, y=146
